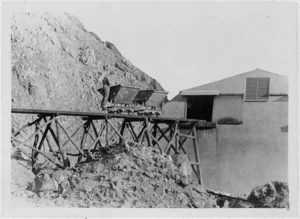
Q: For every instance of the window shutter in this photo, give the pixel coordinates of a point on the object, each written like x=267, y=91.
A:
x=257, y=89
x=251, y=85
x=263, y=89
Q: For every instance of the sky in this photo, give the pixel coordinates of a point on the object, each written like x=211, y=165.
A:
x=183, y=45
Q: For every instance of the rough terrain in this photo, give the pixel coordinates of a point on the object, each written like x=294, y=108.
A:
x=120, y=176
x=129, y=175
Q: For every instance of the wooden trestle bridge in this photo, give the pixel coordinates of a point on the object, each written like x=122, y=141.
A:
x=167, y=134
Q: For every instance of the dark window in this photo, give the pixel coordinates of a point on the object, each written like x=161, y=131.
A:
x=200, y=107
x=257, y=89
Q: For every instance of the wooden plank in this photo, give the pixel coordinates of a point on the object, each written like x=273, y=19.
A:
x=197, y=156
x=95, y=115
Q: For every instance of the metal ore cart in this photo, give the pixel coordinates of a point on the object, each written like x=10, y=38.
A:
x=152, y=101
x=121, y=98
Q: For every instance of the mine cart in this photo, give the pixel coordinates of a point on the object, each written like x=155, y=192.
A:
x=152, y=101
x=121, y=98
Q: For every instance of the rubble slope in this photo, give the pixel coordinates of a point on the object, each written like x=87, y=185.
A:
x=121, y=176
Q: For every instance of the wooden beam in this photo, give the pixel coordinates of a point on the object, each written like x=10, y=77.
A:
x=148, y=132
x=35, y=143
x=45, y=155
x=197, y=156
x=84, y=134
x=80, y=151
x=195, y=171
x=24, y=142
x=122, y=130
x=186, y=136
x=73, y=134
x=96, y=134
x=98, y=138
x=52, y=132
x=43, y=138
x=27, y=125
x=121, y=136
x=154, y=139
x=94, y=128
x=190, y=131
x=95, y=115
x=172, y=139
x=141, y=135
x=154, y=133
x=163, y=134
x=131, y=129
x=195, y=163
x=50, y=147
x=106, y=133
x=88, y=132
x=59, y=145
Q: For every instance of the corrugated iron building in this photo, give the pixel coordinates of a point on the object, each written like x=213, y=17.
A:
x=249, y=147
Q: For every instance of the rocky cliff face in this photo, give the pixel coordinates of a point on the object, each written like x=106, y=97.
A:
x=57, y=64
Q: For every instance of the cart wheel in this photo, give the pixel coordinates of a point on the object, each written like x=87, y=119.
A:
x=119, y=111
x=158, y=113
x=151, y=113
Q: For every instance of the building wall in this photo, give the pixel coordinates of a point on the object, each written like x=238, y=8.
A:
x=176, y=107
x=226, y=107
x=237, y=158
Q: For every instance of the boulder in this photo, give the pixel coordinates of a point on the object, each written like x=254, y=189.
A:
x=182, y=162
x=273, y=194
x=43, y=182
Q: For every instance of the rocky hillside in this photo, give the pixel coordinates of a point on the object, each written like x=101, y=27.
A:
x=57, y=64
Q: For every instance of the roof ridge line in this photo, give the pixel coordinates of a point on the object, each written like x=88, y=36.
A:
x=232, y=77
